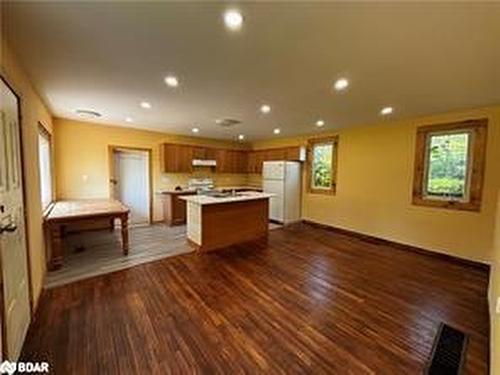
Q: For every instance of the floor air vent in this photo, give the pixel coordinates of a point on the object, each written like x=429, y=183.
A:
x=448, y=352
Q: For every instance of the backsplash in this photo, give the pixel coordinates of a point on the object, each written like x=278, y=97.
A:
x=254, y=179
x=169, y=181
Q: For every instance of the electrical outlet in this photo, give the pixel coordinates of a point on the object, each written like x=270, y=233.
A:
x=498, y=306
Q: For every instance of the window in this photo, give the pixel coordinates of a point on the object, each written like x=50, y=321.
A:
x=449, y=165
x=45, y=166
x=322, y=165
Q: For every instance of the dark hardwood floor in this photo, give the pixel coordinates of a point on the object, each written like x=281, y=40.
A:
x=310, y=301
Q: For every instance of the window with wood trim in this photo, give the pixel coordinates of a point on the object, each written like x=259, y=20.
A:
x=449, y=165
x=322, y=165
x=45, y=166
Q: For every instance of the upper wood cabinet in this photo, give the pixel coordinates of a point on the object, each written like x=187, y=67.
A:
x=295, y=153
x=177, y=158
x=256, y=158
x=275, y=154
x=231, y=161
x=204, y=153
x=241, y=161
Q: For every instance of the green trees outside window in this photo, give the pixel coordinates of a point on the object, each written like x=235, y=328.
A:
x=322, y=166
x=448, y=164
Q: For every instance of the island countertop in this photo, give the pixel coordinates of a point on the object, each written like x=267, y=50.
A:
x=240, y=197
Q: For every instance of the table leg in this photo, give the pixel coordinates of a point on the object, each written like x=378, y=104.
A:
x=112, y=224
x=124, y=222
x=56, y=258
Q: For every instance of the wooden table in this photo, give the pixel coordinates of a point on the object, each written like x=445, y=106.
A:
x=64, y=213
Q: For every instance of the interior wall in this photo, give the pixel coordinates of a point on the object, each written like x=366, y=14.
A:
x=33, y=111
x=82, y=164
x=374, y=188
x=494, y=296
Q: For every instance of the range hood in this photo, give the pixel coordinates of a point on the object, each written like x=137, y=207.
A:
x=204, y=163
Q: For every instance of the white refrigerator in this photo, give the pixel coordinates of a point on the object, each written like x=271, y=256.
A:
x=283, y=178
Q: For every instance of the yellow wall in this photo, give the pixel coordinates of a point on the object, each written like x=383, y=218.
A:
x=33, y=111
x=374, y=187
x=82, y=149
x=494, y=295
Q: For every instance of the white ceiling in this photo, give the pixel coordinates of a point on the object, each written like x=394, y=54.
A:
x=420, y=58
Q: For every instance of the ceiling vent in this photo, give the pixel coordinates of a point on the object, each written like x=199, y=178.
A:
x=227, y=122
x=87, y=113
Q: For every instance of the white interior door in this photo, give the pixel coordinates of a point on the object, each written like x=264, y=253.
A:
x=14, y=263
x=132, y=183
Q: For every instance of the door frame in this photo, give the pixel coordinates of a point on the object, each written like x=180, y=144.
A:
x=111, y=171
x=25, y=214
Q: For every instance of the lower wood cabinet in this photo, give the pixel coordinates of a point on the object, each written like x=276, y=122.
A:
x=174, y=209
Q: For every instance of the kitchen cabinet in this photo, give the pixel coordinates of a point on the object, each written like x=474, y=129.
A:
x=295, y=153
x=241, y=161
x=251, y=162
x=174, y=209
x=204, y=153
x=231, y=161
x=177, y=158
x=275, y=154
x=223, y=161
x=255, y=160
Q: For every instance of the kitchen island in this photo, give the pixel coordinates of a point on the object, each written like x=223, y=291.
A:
x=214, y=222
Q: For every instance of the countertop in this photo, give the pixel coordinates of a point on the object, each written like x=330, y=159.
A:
x=206, y=199
x=218, y=188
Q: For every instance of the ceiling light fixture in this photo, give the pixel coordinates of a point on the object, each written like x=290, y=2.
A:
x=341, y=84
x=386, y=111
x=171, y=81
x=265, y=108
x=277, y=131
x=146, y=105
x=129, y=119
x=241, y=137
x=233, y=19
x=195, y=130
x=320, y=123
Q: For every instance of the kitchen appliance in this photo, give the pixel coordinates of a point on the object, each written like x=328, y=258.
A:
x=283, y=179
x=204, y=163
x=200, y=184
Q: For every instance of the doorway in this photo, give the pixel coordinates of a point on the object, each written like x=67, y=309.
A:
x=14, y=277
x=131, y=181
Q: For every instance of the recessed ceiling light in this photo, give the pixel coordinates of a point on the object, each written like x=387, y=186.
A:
x=195, y=130
x=320, y=123
x=233, y=19
x=386, y=111
x=129, y=119
x=265, y=108
x=146, y=105
x=171, y=81
x=277, y=131
x=87, y=113
x=241, y=137
x=341, y=84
